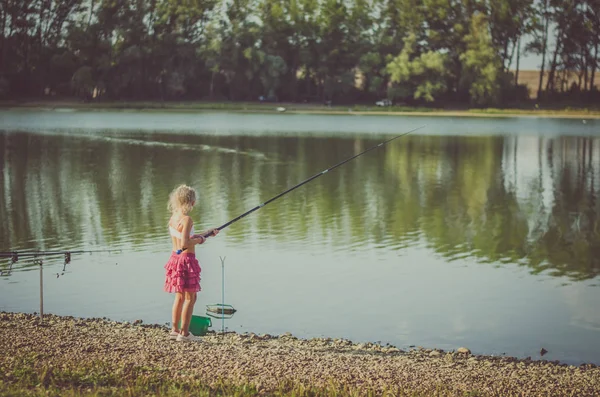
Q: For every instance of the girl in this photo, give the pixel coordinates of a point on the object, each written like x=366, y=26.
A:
x=183, y=270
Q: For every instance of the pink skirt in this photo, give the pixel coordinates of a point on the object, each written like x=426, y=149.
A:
x=182, y=273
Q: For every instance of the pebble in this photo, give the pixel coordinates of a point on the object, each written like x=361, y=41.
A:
x=463, y=350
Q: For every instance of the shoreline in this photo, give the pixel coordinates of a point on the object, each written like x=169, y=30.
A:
x=295, y=108
x=64, y=346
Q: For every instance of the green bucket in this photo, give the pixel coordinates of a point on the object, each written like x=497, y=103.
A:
x=199, y=325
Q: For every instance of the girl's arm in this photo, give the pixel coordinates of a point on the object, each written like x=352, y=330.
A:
x=186, y=240
x=211, y=233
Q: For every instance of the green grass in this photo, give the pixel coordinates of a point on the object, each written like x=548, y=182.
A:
x=567, y=110
x=204, y=105
x=27, y=376
x=195, y=106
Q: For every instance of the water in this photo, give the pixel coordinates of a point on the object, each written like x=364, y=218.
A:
x=476, y=232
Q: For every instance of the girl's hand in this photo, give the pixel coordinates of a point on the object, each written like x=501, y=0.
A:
x=208, y=233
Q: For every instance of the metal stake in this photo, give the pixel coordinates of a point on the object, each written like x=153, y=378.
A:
x=223, y=294
x=41, y=289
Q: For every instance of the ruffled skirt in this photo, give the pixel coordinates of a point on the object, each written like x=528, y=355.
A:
x=182, y=273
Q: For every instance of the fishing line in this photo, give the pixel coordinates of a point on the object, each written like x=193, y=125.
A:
x=304, y=182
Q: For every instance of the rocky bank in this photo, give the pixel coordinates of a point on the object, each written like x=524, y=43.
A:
x=268, y=361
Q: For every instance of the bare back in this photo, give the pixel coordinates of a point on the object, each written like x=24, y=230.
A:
x=179, y=228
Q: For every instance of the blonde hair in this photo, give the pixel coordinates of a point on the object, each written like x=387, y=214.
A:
x=182, y=198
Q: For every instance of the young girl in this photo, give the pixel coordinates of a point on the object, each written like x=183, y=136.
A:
x=183, y=270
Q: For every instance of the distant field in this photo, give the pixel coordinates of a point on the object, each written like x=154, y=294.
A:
x=531, y=79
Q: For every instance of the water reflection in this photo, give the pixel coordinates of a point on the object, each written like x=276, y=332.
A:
x=514, y=199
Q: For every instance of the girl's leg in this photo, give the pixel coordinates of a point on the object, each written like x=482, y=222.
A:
x=186, y=311
x=176, y=312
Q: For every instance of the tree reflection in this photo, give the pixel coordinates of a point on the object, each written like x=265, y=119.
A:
x=526, y=200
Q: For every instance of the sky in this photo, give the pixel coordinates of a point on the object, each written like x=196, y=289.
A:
x=528, y=62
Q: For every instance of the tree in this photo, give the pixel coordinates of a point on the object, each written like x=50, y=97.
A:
x=239, y=34
x=372, y=66
x=210, y=51
x=481, y=64
x=22, y=45
x=421, y=77
x=273, y=69
x=83, y=83
x=508, y=20
x=280, y=39
x=593, y=16
x=539, y=44
x=330, y=50
x=333, y=62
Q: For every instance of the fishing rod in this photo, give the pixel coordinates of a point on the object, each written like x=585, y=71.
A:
x=14, y=255
x=302, y=183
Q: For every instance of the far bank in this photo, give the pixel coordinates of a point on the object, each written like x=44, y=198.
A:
x=295, y=108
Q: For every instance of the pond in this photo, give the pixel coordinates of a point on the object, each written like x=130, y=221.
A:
x=475, y=232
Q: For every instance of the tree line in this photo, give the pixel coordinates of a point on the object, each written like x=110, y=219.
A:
x=344, y=51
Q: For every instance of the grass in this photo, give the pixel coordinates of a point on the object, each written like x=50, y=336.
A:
x=26, y=376
x=195, y=106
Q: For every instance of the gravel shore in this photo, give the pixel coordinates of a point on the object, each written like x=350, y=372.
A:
x=267, y=361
